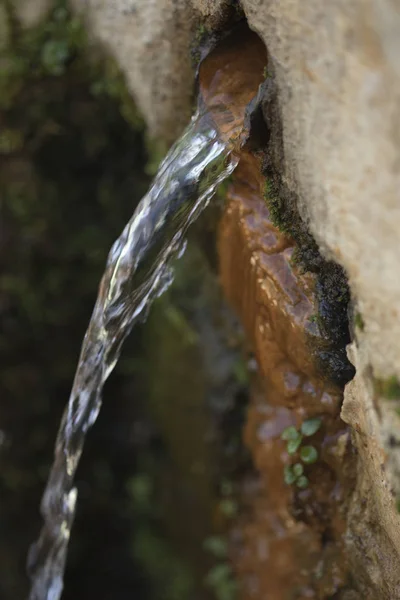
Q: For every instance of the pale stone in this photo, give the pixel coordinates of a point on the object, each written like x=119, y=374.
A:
x=31, y=12
x=150, y=41
x=337, y=67
x=372, y=515
x=338, y=74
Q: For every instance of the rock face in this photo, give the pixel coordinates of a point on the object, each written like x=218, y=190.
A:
x=31, y=12
x=277, y=303
x=335, y=66
x=150, y=41
x=339, y=90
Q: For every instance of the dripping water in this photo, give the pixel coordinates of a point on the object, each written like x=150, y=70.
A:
x=137, y=271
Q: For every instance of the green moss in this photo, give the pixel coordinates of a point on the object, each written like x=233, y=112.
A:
x=109, y=81
x=199, y=38
x=276, y=207
x=328, y=344
x=358, y=321
x=43, y=50
x=388, y=388
x=331, y=290
x=201, y=32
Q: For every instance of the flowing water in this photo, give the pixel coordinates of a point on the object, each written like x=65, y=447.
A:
x=137, y=271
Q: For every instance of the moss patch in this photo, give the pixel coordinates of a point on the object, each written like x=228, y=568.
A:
x=332, y=288
x=359, y=321
x=388, y=388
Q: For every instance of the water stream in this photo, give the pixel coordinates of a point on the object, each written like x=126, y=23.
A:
x=137, y=271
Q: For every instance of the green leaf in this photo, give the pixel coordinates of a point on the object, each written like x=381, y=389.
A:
x=310, y=426
x=293, y=445
x=309, y=455
x=298, y=469
x=288, y=475
x=290, y=433
x=302, y=482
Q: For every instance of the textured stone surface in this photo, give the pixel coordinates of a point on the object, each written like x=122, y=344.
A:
x=339, y=87
x=284, y=549
x=31, y=12
x=337, y=70
x=373, y=533
x=150, y=40
x=339, y=80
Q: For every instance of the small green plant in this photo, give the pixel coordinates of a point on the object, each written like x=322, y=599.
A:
x=294, y=474
x=311, y=426
x=302, y=482
x=308, y=455
x=359, y=322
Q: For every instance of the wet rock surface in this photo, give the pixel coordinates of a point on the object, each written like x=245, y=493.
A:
x=339, y=89
x=292, y=541
x=340, y=156
x=374, y=550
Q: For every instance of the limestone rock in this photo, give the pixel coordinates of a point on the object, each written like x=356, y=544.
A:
x=338, y=76
x=150, y=41
x=340, y=99
x=31, y=12
x=373, y=532
x=339, y=82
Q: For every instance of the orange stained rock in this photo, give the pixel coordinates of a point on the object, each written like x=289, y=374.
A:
x=229, y=79
x=292, y=542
